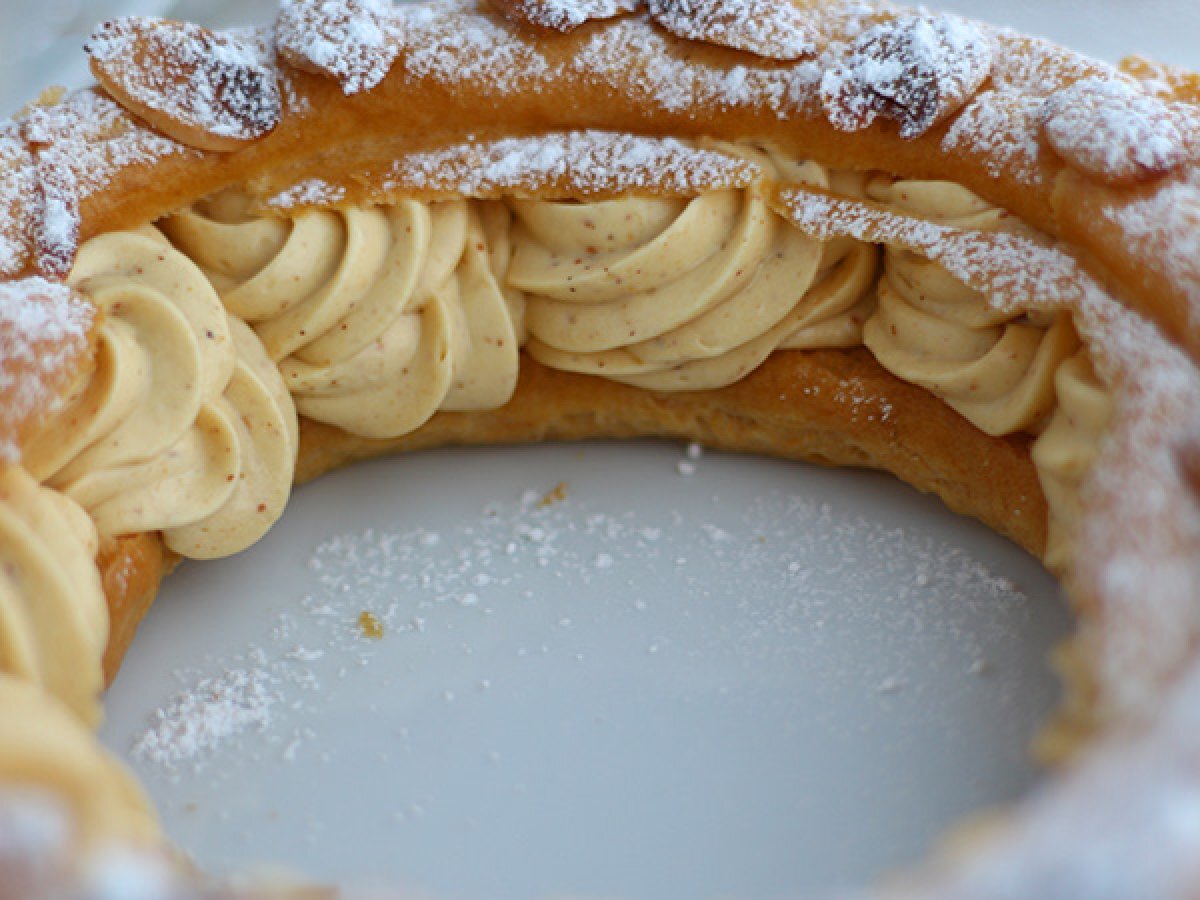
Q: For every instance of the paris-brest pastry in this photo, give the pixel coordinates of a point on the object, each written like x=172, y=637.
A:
x=833, y=230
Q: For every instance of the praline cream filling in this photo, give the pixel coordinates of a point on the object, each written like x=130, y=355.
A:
x=683, y=294
x=1067, y=449
x=664, y=293
x=53, y=614
x=184, y=426
x=377, y=317
x=995, y=367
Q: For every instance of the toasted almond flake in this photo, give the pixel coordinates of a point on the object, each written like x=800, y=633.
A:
x=1114, y=131
x=775, y=29
x=915, y=69
x=561, y=15
x=212, y=90
x=353, y=41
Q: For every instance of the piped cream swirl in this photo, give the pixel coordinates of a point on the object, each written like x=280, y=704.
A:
x=164, y=435
x=53, y=614
x=377, y=317
x=995, y=367
x=682, y=294
x=1065, y=452
x=47, y=754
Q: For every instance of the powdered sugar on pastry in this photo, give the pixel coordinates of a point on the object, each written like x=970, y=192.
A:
x=1113, y=130
x=17, y=185
x=763, y=27
x=43, y=336
x=562, y=15
x=1002, y=126
x=209, y=89
x=354, y=41
x=453, y=42
x=450, y=41
x=1163, y=228
x=1037, y=67
x=915, y=69
x=312, y=193
x=591, y=162
x=79, y=145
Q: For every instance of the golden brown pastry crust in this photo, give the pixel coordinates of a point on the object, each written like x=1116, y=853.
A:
x=131, y=569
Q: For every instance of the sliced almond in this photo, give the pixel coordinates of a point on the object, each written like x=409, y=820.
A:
x=774, y=29
x=1111, y=129
x=353, y=41
x=561, y=15
x=215, y=91
x=916, y=69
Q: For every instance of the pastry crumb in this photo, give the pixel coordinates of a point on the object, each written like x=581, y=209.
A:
x=370, y=626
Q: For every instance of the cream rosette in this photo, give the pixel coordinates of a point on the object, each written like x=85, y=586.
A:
x=994, y=366
x=683, y=293
x=53, y=614
x=165, y=435
x=85, y=800
x=1065, y=452
x=377, y=316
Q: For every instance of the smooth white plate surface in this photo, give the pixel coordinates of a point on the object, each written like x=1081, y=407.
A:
x=756, y=680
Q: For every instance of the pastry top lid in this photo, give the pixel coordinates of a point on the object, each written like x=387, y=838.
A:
x=1033, y=127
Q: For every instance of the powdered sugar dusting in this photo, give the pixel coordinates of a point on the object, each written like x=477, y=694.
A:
x=631, y=57
x=915, y=69
x=1002, y=128
x=17, y=186
x=354, y=41
x=764, y=27
x=563, y=15
x=1112, y=129
x=79, y=145
x=215, y=82
x=310, y=193
x=195, y=722
x=1036, y=67
x=43, y=335
x=587, y=162
x=454, y=41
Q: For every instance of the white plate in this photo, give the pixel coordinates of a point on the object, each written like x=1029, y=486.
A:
x=758, y=679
